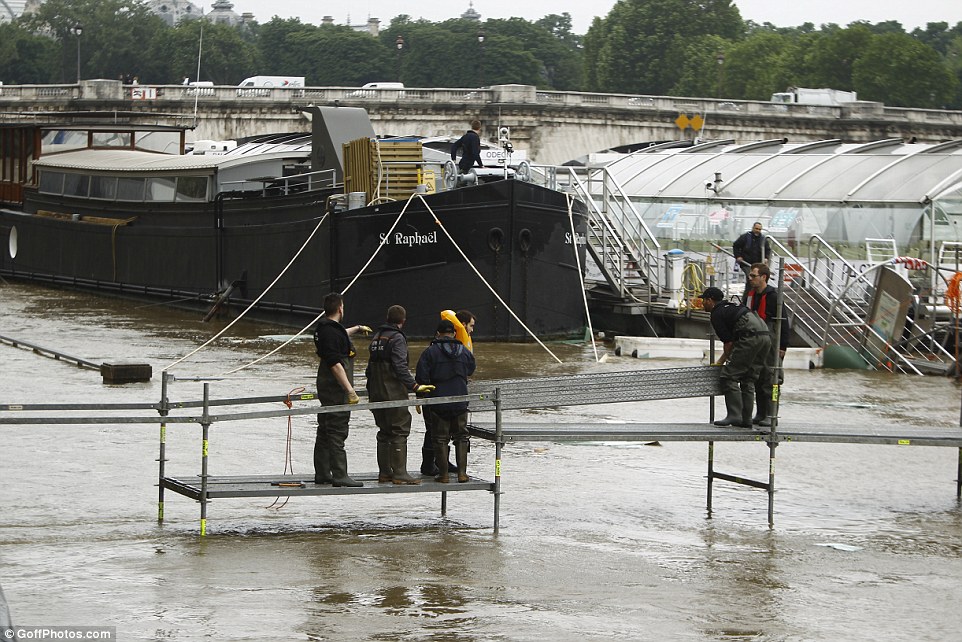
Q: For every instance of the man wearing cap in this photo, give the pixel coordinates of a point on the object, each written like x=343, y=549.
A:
x=446, y=364
x=747, y=342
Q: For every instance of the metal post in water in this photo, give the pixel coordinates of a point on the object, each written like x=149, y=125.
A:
x=444, y=503
x=498, y=445
x=711, y=472
x=205, y=424
x=162, y=455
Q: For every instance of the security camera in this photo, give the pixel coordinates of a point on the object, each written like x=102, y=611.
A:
x=709, y=185
x=503, y=132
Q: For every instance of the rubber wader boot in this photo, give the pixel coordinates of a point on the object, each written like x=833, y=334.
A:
x=339, y=471
x=399, y=463
x=383, y=463
x=428, y=466
x=733, y=403
x=461, y=455
x=761, y=417
x=748, y=404
x=441, y=459
x=322, y=461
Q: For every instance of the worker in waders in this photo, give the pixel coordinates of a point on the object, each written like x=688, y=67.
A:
x=747, y=341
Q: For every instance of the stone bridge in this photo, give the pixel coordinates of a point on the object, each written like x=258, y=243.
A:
x=553, y=126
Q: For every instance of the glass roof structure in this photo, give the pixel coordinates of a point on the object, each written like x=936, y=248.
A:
x=842, y=192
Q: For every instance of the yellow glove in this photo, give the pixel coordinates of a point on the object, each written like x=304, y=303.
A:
x=365, y=330
x=352, y=398
x=422, y=389
x=718, y=363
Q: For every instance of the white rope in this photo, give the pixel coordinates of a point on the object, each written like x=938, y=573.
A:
x=381, y=244
x=471, y=265
x=255, y=301
x=581, y=277
x=318, y=317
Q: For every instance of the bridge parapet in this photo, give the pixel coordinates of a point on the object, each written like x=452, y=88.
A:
x=553, y=126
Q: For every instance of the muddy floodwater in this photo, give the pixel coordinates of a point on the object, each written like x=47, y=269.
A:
x=598, y=541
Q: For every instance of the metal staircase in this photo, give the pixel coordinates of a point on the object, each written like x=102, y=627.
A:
x=619, y=241
x=828, y=300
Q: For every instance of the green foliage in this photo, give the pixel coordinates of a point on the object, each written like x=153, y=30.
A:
x=660, y=47
x=27, y=59
x=226, y=58
x=900, y=71
x=628, y=47
x=113, y=38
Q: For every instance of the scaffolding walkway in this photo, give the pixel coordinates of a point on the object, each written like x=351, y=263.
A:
x=486, y=398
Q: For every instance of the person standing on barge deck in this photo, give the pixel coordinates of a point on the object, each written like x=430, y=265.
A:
x=747, y=342
x=335, y=387
x=762, y=299
x=470, y=146
x=389, y=379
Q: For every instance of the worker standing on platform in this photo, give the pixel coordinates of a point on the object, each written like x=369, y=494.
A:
x=335, y=387
x=463, y=322
x=470, y=146
x=749, y=248
x=762, y=299
x=747, y=342
x=447, y=364
x=389, y=379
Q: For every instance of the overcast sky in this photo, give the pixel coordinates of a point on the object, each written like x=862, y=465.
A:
x=782, y=13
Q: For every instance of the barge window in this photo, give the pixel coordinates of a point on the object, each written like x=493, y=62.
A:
x=130, y=189
x=51, y=182
x=192, y=188
x=103, y=187
x=160, y=189
x=110, y=139
x=76, y=185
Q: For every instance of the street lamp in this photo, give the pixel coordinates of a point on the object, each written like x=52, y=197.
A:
x=399, y=43
x=480, y=57
x=77, y=30
x=720, y=59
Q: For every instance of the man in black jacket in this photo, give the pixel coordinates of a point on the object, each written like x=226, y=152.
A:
x=446, y=364
x=747, y=341
x=389, y=379
x=335, y=387
x=751, y=247
x=470, y=146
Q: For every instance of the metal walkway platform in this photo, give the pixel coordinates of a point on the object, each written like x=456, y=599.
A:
x=299, y=485
x=787, y=432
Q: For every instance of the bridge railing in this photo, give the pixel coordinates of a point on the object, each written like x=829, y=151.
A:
x=497, y=94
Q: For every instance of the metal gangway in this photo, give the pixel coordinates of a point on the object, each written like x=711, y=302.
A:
x=828, y=299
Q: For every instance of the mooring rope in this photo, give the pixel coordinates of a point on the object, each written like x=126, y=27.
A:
x=318, y=317
x=288, y=457
x=488, y=285
x=255, y=301
x=581, y=277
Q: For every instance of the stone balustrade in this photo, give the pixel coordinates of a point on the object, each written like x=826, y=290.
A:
x=554, y=126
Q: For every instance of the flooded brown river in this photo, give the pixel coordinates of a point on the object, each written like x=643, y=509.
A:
x=599, y=541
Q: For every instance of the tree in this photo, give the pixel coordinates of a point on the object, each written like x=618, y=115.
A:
x=629, y=45
x=226, y=58
x=113, y=40
x=26, y=58
x=900, y=71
